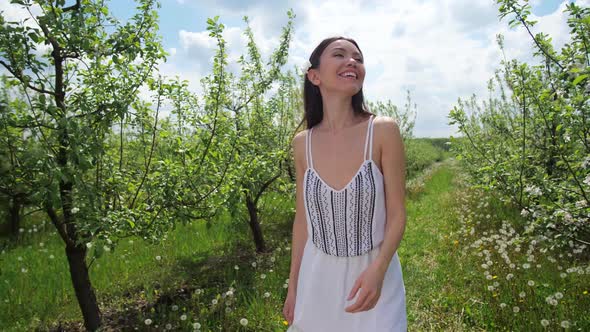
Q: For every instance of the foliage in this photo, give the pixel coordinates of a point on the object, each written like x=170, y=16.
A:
x=533, y=146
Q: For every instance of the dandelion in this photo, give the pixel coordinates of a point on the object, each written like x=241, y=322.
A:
x=531, y=283
x=229, y=293
x=522, y=294
x=75, y=210
x=148, y=322
x=23, y=270
x=272, y=259
x=106, y=248
x=544, y=322
x=565, y=324
x=89, y=245
x=214, y=301
x=20, y=259
x=526, y=265
x=243, y=321
x=51, y=257
x=263, y=276
x=558, y=296
x=515, y=309
x=227, y=310
x=168, y=326
x=267, y=294
x=253, y=264
x=502, y=305
x=158, y=258
x=236, y=267
x=174, y=307
x=196, y=325
x=183, y=317
x=287, y=286
x=563, y=275
x=509, y=276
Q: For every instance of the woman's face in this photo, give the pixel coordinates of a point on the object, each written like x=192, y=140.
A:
x=341, y=68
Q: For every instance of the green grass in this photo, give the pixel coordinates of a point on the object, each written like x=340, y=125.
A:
x=445, y=285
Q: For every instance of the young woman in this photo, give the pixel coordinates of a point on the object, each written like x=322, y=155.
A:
x=350, y=214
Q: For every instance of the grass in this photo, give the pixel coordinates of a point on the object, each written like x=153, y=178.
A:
x=212, y=277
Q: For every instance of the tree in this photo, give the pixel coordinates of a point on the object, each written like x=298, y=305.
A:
x=76, y=92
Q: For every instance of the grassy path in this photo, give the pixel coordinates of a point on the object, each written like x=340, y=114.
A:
x=425, y=252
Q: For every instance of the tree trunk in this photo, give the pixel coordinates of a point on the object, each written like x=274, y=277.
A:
x=14, y=215
x=255, y=225
x=83, y=287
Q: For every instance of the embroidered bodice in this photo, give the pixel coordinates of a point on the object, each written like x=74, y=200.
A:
x=349, y=221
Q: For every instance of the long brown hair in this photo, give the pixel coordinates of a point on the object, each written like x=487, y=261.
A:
x=312, y=98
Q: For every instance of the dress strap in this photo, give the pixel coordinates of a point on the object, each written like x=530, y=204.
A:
x=369, y=140
x=308, y=149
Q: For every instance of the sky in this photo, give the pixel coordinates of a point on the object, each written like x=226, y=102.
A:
x=439, y=50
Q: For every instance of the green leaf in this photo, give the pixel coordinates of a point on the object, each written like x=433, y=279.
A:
x=579, y=79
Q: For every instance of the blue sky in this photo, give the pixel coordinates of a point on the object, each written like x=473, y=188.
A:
x=440, y=50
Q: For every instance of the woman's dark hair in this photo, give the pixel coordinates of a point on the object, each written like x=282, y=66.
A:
x=312, y=98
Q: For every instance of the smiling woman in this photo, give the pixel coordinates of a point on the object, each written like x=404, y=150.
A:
x=350, y=215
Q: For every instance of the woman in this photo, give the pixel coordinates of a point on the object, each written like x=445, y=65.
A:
x=345, y=272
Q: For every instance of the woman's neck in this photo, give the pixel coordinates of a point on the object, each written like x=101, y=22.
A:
x=338, y=115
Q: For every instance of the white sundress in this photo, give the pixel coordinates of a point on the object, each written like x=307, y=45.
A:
x=346, y=228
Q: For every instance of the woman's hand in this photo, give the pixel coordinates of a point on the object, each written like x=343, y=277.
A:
x=289, y=306
x=370, y=283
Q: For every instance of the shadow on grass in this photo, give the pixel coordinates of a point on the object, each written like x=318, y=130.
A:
x=185, y=285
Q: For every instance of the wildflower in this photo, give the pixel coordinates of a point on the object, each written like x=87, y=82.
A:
x=526, y=265
x=558, y=296
x=75, y=210
x=158, y=258
x=23, y=270
x=196, y=325
x=267, y=294
x=531, y=283
x=174, y=307
x=263, y=276
x=253, y=264
x=565, y=324
x=229, y=293
x=287, y=286
x=243, y=321
x=272, y=259
x=51, y=257
x=88, y=245
x=490, y=288
x=20, y=259
x=502, y=305
x=148, y=322
x=515, y=309
x=544, y=322
x=168, y=326
x=563, y=275
x=236, y=267
x=522, y=294
x=183, y=317
x=285, y=323
x=214, y=301
x=227, y=310
x=585, y=292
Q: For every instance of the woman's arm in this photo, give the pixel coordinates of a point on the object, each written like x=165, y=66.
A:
x=393, y=163
x=299, y=224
